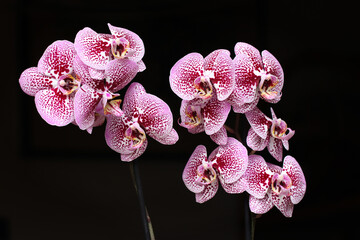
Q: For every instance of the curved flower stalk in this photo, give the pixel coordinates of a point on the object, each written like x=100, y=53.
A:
x=265, y=132
x=270, y=185
x=226, y=164
x=143, y=115
x=195, y=77
x=97, y=50
x=210, y=117
x=95, y=98
x=256, y=76
x=53, y=83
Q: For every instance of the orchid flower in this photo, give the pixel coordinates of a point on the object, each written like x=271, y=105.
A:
x=53, y=83
x=265, y=132
x=210, y=117
x=143, y=115
x=98, y=50
x=226, y=164
x=271, y=185
x=96, y=98
x=195, y=77
x=256, y=76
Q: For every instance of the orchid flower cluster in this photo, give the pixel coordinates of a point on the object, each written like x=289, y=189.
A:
x=209, y=88
x=77, y=83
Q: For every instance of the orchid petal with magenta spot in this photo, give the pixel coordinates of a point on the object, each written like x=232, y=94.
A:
x=54, y=107
x=231, y=160
x=32, y=81
x=220, y=63
x=184, y=73
x=258, y=176
x=190, y=174
x=57, y=59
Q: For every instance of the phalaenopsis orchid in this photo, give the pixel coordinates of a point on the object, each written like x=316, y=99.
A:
x=79, y=82
x=205, y=107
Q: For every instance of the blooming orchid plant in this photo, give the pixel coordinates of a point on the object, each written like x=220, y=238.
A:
x=77, y=83
x=209, y=88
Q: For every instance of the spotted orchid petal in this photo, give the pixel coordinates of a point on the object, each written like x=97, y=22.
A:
x=230, y=160
x=55, y=107
x=31, y=81
x=84, y=73
x=294, y=171
x=169, y=139
x=141, y=65
x=99, y=120
x=136, y=49
x=242, y=108
x=238, y=186
x=119, y=73
x=57, y=59
x=152, y=113
x=93, y=49
x=275, y=148
x=255, y=142
x=273, y=67
x=220, y=137
x=220, y=63
x=283, y=203
x=246, y=80
x=251, y=52
x=190, y=174
x=215, y=114
x=184, y=73
x=208, y=193
x=85, y=101
x=259, y=122
x=135, y=154
x=134, y=91
x=258, y=176
x=260, y=205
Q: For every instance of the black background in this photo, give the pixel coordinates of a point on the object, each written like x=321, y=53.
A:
x=62, y=183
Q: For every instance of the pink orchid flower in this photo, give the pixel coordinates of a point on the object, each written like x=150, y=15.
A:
x=195, y=77
x=95, y=98
x=265, y=132
x=143, y=115
x=98, y=50
x=256, y=76
x=210, y=116
x=226, y=164
x=53, y=83
x=270, y=185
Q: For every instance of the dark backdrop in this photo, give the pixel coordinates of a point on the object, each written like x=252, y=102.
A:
x=62, y=183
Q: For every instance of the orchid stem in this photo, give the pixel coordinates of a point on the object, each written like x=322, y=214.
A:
x=249, y=220
x=236, y=129
x=135, y=175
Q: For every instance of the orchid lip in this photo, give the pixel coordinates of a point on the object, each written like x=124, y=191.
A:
x=204, y=87
x=119, y=47
x=193, y=114
x=206, y=174
x=136, y=134
x=281, y=184
x=267, y=84
x=113, y=108
x=280, y=130
x=67, y=84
